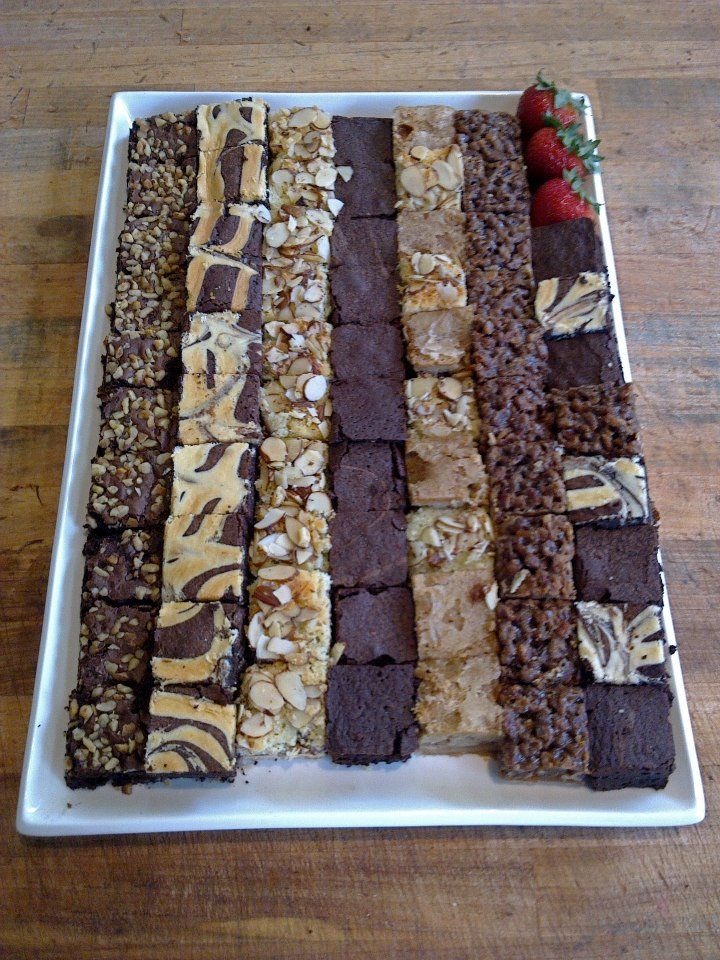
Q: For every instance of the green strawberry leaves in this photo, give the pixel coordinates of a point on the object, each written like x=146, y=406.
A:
x=575, y=181
x=573, y=139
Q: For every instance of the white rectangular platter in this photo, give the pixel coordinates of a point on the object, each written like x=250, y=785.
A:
x=425, y=791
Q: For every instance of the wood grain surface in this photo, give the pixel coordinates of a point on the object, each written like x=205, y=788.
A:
x=653, y=71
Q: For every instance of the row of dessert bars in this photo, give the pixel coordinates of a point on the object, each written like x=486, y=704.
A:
x=130, y=485
x=192, y=717
x=583, y=685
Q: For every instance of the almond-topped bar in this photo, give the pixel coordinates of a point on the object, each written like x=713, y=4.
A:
x=303, y=133
x=198, y=645
x=296, y=346
x=289, y=619
x=439, y=408
x=448, y=539
x=204, y=558
x=295, y=289
x=429, y=179
x=456, y=705
x=297, y=405
x=219, y=407
x=289, y=535
x=432, y=127
x=213, y=478
x=281, y=713
x=190, y=735
x=216, y=343
x=292, y=471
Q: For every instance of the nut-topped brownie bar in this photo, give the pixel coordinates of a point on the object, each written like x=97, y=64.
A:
x=114, y=646
x=123, y=567
x=105, y=737
x=129, y=489
x=141, y=359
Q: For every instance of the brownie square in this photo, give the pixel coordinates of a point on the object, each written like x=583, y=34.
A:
x=494, y=137
x=129, y=489
x=235, y=230
x=138, y=359
x=114, y=646
x=622, y=643
x=546, y=732
x=512, y=409
x=137, y=419
x=375, y=626
x=618, y=566
x=105, y=737
x=198, y=645
x=499, y=240
x=526, y=479
x=508, y=346
x=445, y=473
x=438, y=341
x=123, y=567
x=363, y=275
x=365, y=145
x=631, y=740
x=591, y=359
x=537, y=642
x=534, y=558
x=608, y=493
x=216, y=283
x=599, y=420
x=170, y=136
x=368, y=476
x=190, y=735
x=365, y=352
x=566, y=249
x=371, y=409
x=370, y=713
x=204, y=558
x=368, y=549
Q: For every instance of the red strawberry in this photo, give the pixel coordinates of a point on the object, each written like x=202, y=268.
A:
x=556, y=148
x=544, y=99
x=560, y=199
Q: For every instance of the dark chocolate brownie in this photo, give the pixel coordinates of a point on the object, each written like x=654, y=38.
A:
x=134, y=418
x=512, y=409
x=507, y=346
x=533, y=558
x=216, y=283
x=599, y=420
x=199, y=644
x=537, y=642
x=105, y=737
x=369, y=549
x=364, y=352
x=368, y=476
x=370, y=713
x=365, y=145
x=114, y=646
x=500, y=188
x=375, y=626
x=123, y=567
x=370, y=409
x=363, y=275
x=608, y=493
x=525, y=478
x=617, y=566
x=631, y=740
x=137, y=359
x=546, y=732
x=566, y=249
x=499, y=240
x=129, y=489
x=494, y=137
x=586, y=360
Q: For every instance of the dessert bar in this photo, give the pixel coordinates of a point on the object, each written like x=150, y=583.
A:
x=374, y=626
x=537, y=642
x=621, y=643
x=588, y=360
x=618, y=566
x=204, y=558
x=137, y=359
x=448, y=539
x=455, y=612
x=526, y=479
x=219, y=407
x=213, y=478
x=610, y=493
x=105, y=737
x=368, y=476
x=215, y=344
x=128, y=489
x=190, y=735
x=438, y=341
x=382, y=562
x=534, y=557
x=114, y=645
x=445, y=473
x=457, y=708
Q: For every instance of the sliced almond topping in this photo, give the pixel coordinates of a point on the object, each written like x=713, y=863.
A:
x=256, y=725
x=413, y=181
x=265, y=696
x=291, y=687
x=273, y=449
x=450, y=387
x=277, y=571
x=319, y=502
x=315, y=388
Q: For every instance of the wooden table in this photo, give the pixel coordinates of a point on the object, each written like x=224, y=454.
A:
x=652, y=70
